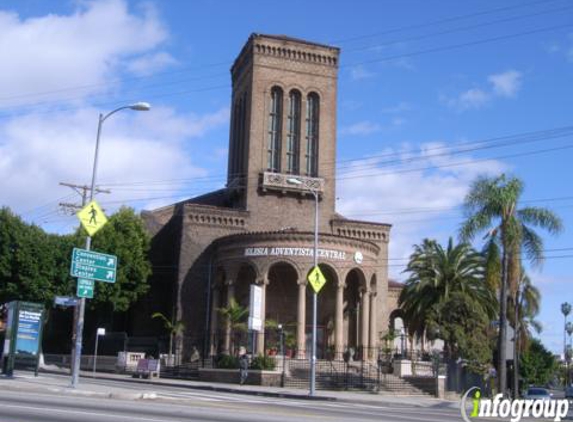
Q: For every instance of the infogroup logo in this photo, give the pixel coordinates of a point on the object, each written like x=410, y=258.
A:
x=512, y=410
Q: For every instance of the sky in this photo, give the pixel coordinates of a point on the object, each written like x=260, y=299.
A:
x=432, y=94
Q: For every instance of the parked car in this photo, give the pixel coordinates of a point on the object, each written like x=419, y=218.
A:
x=538, y=393
x=569, y=392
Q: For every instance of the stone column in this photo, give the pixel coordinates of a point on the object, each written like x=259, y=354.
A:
x=214, y=321
x=261, y=334
x=373, y=344
x=339, y=321
x=301, y=321
x=365, y=314
x=230, y=296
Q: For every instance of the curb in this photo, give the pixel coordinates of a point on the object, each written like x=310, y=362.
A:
x=285, y=395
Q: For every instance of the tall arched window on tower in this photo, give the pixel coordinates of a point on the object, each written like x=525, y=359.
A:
x=275, y=129
x=312, y=121
x=293, y=134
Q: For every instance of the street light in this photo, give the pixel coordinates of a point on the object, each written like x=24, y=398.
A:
x=140, y=106
x=565, y=310
x=569, y=331
x=295, y=181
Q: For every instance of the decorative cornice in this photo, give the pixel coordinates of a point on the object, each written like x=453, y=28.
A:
x=218, y=216
x=364, y=230
x=296, y=54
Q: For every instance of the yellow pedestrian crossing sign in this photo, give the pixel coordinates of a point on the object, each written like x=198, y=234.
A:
x=316, y=279
x=92, y=218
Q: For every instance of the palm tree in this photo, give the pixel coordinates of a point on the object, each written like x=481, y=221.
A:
x=435, y=275
x=173, y=328
x=234, y=315
x=524, y=307
x=492, y=206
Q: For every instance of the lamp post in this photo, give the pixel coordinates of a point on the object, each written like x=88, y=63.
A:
x=82, y=305
x=565, y=310
x=568, y=349
x=294, y=181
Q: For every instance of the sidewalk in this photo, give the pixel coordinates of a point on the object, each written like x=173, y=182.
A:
x=151, y=389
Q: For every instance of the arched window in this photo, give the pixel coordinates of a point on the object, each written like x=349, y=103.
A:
x=274, y=135
x=312, y=121
x=293, y=134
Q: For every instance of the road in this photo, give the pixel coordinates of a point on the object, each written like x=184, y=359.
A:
x=202, y=406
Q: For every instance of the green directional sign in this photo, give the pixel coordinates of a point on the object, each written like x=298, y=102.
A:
x=85, y=288
x=93, y=265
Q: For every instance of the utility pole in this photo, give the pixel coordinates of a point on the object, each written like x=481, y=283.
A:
x=81, y=190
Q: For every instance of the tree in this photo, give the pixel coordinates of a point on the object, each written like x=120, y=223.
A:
x=32, y=264
x=125, y=236
x=173, y=328
x=538, y=364
x=435, y=275
x=492, y=206
x=524, y=307
x=234, y=315
x=462, y=324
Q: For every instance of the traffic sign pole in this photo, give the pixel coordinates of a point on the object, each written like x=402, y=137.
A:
x=82, y=307
x=314, y=300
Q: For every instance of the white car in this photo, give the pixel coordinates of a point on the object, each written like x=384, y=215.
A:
x=537, y=393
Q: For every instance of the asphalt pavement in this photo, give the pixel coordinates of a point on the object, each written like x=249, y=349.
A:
x=49, y=398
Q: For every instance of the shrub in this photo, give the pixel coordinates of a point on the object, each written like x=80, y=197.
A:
x=227, y=362
x=265, y=363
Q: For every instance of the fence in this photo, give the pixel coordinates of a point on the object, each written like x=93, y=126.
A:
x=357, y=368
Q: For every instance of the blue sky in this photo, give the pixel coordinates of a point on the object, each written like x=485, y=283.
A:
x=424, y=88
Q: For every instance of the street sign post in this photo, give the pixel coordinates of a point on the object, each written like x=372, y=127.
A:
x=85, y=288
x=93, y=265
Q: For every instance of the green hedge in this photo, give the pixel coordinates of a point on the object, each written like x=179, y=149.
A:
x=227, y=362
x=265, y=363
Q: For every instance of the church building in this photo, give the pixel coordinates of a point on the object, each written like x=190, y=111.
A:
x=259, y=229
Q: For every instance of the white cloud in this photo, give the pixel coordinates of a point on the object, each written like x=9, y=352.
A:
x=371, y=190
x=506, y=84
x=363, y=128
x=503, y=85
x=49, y=54
x=39, y=151
x=359, y=72
x=472, y=98
x=151, y=63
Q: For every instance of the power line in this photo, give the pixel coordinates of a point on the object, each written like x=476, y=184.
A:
x=470, y=146
x=440, y=21
x=187, y=69
x=454, y=30
x=460, y=45
x=383, y=59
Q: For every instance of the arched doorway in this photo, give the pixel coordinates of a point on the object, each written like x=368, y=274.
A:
x=281, y=301
x=326, y=314
x=352, y=312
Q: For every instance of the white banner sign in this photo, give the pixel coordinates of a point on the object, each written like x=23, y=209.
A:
x=256, y=308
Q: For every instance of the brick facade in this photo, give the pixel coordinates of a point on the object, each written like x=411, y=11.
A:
x=205, y=247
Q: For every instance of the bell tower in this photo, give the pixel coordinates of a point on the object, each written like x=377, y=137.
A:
x=283, y=128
